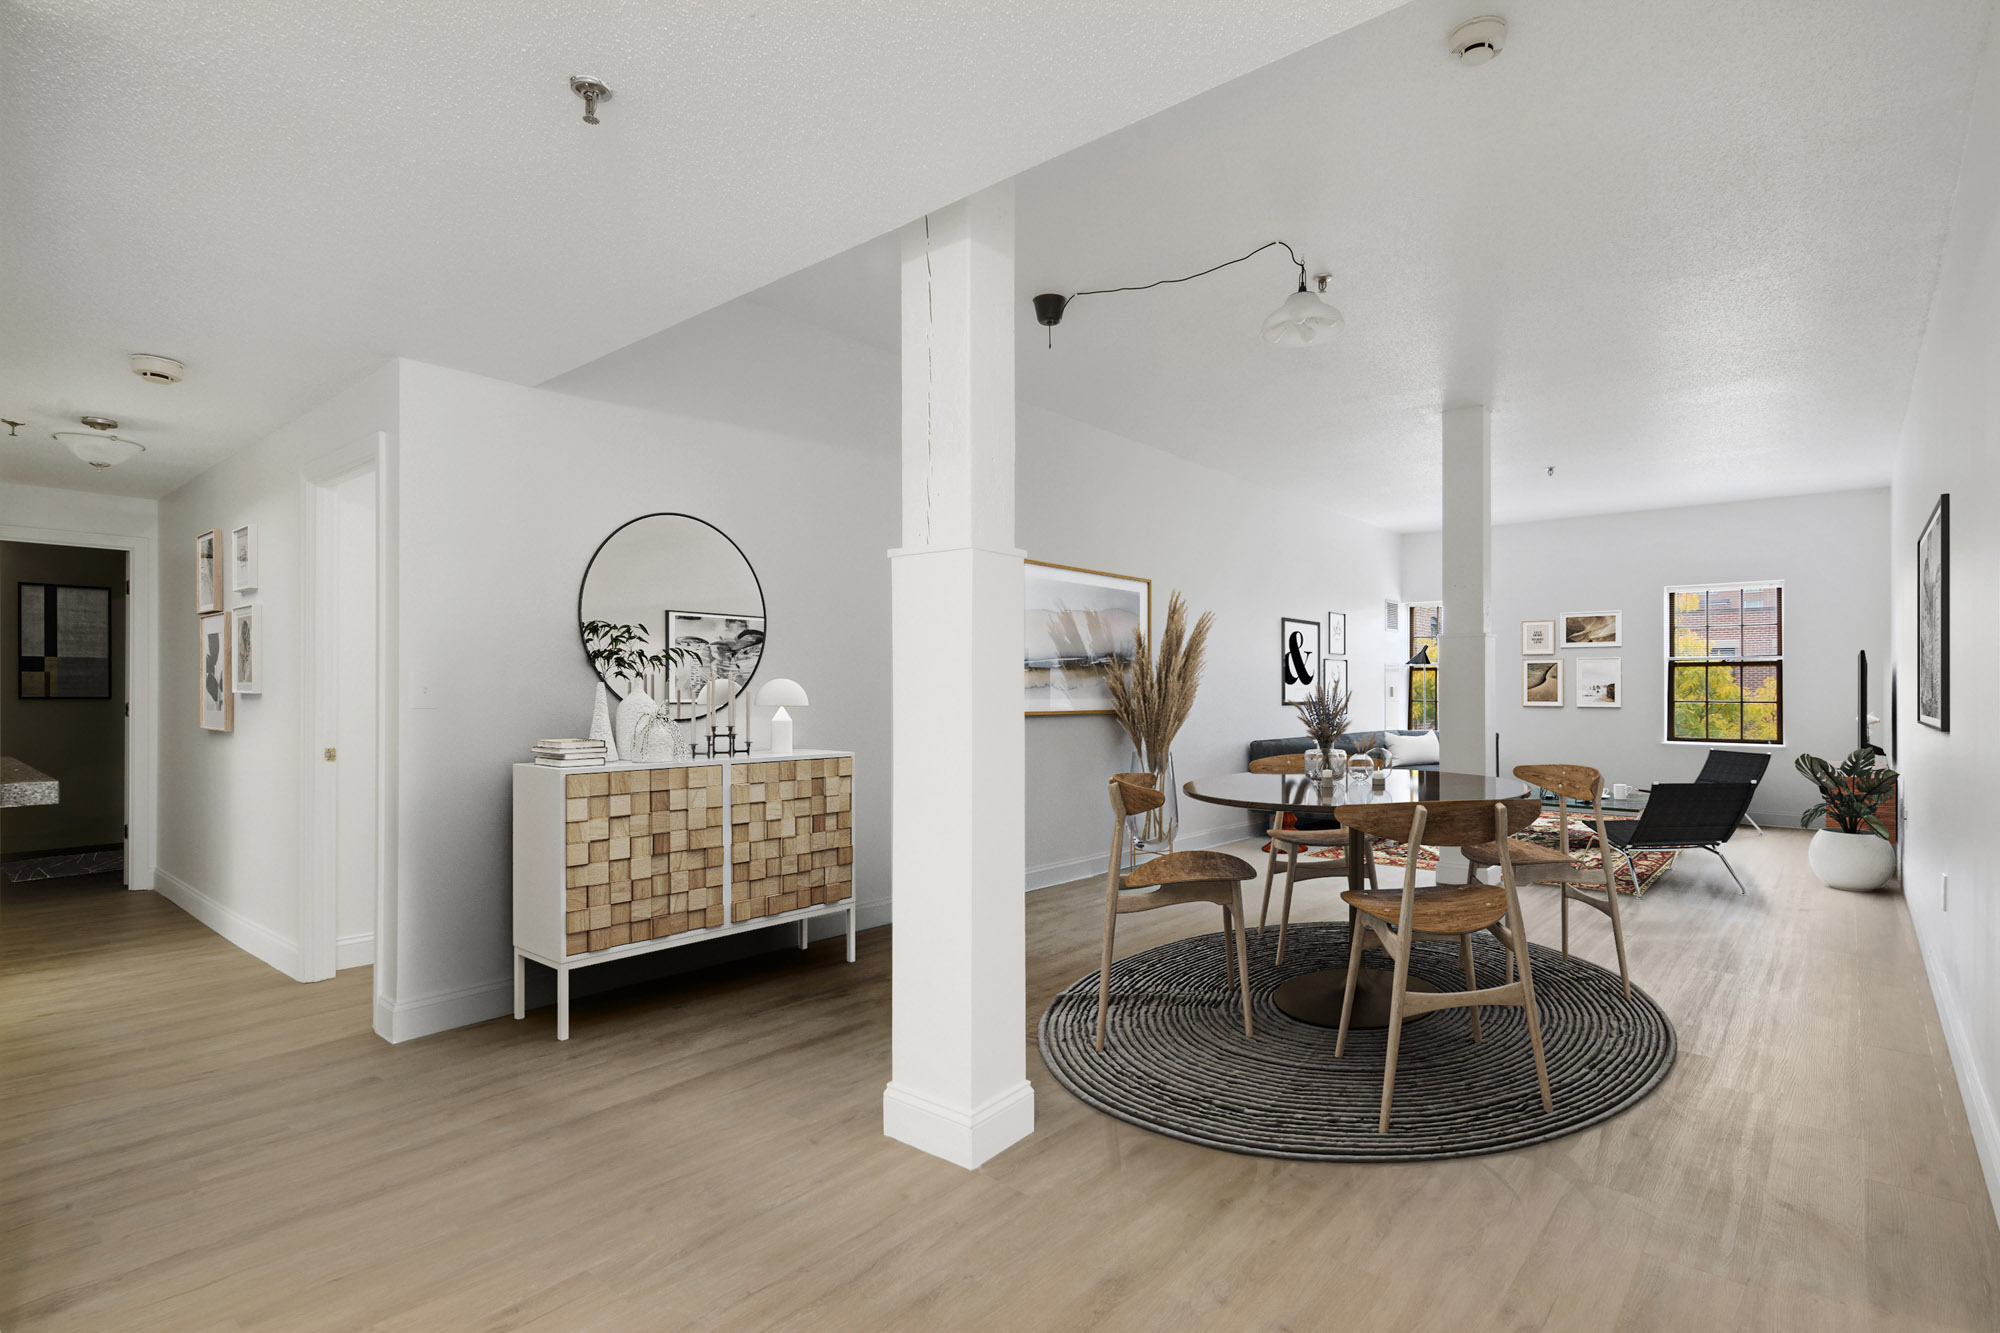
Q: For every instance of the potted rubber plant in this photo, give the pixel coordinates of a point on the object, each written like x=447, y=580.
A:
x=1854, y=851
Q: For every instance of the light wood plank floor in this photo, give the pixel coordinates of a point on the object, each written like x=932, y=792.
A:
x=189, y=1141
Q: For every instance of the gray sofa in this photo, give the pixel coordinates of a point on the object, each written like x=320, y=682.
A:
x=1350, y=741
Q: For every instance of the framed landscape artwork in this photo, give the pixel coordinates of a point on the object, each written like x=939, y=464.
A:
x=207, y=588
x=1079, y=625
x=1600, y=682
x=1592, y=629
x=243, y=558
x=218, y=702
x=1934, y=618
x=1537, y=636
x=65, y=638
x=1542, y=683
x=1298, y=659
x=1333, y=670
x=1336, y=634
x=246, y=648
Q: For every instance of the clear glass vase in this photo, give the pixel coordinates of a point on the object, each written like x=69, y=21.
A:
x=1153, y=832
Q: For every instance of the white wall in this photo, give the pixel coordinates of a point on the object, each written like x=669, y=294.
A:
x=1951, y=442
x=1250, y=554
x=85, y=518
x=229, y=801
x=1828, y=549
x=356, y=723
x=505, y=492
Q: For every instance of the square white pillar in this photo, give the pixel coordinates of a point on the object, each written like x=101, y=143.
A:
x=1465, y=643
x=959, y=1087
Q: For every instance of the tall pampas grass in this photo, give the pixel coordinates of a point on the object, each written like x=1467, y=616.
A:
x=1152, y=694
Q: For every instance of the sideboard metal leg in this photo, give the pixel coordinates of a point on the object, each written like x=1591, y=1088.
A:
x=805, y=936
x=520, y=985
x=562, y=1004
x=850, y=931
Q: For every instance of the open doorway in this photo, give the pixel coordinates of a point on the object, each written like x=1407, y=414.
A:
x=64, y=712
x=342, y=847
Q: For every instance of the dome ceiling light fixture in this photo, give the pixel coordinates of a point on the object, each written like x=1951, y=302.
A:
x=1477, y=41
x=1304, y=320
x=100, y=450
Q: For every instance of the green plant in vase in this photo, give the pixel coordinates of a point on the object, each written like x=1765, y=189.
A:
x=1857, y=851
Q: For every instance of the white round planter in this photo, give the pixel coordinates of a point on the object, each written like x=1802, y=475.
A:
x=1855, y=861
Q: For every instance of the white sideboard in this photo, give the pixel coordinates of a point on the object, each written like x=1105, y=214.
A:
x=631, y=858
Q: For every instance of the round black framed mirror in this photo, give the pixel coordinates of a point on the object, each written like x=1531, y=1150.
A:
x=669, y=604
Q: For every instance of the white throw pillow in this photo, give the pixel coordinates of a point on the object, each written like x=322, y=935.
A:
x=1409, y=751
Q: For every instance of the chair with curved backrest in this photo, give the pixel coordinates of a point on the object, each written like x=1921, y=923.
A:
x=1290, y=840
x=1168, y=881
x=1396, y=919
x=1556, y=865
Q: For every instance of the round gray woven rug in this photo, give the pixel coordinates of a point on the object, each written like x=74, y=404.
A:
x=1177, y=1061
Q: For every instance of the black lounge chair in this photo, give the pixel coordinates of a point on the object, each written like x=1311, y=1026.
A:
x=1680, y=815
x=1736, y=766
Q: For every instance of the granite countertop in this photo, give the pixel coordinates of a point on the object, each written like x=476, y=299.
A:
x=21, y=785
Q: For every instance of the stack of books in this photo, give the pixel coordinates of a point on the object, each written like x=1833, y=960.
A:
x=569, y=753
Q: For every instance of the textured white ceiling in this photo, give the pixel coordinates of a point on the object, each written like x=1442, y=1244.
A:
x=1686, y=251
x=282, y=195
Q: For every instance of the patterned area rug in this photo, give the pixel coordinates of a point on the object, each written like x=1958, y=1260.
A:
x=1582, y=845
x=1177, y=1062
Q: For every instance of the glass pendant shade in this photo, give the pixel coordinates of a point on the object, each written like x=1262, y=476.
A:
x=1304, y=320
x=99, y=450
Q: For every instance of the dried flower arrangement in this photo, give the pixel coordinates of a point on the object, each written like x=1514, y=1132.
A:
x=1324, y=713
x=1152, y=694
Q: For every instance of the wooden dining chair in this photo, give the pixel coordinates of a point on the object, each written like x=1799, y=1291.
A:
x=1443, y=910
x=1168, y=881
x=1558, y=865
x=1290, y=841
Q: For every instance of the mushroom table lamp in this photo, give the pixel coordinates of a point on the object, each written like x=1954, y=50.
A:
x=781, y=694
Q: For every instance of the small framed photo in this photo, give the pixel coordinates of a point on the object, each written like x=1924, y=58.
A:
x=218, y=702
x=243, y=558
x=1298, y=659
x=207, y=574
x=1542, y=683
x=1537, y=636
x=1336, y=634
x=1600, y=682
x=246, y=650
x=1333, y=670
x=1592, y=629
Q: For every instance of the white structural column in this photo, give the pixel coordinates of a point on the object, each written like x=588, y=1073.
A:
x=1465, y=647
x=959, y=1087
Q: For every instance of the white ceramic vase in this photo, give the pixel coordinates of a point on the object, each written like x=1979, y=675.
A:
x=1853, y=861
x=632, y=709
x=600, y=725
x=657, y=737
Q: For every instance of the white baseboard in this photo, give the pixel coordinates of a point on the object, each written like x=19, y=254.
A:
x=259, y=941
x=1086, y=867
x=406, y=1020
x=963, y=1138
x=354, y=951
x=1979, y=1109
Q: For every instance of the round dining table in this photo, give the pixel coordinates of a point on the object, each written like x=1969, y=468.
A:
x=1316, y=997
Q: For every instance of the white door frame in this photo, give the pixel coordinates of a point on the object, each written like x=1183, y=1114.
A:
x=142, y=683
x=319, y=929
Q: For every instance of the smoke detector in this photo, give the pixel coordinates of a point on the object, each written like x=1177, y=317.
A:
x=157, y=369
x=1479, y=40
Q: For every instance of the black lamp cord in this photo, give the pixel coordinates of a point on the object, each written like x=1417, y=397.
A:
x=1106, y=291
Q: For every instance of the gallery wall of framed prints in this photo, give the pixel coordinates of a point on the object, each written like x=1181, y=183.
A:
x=231, y=637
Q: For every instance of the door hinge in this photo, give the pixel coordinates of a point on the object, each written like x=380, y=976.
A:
x=128, y=830
x=329, y=754
x=128, y=710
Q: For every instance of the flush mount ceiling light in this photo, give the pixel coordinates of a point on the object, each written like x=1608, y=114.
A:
x=1304, y=320
x=100, y=450
x=1479, y=40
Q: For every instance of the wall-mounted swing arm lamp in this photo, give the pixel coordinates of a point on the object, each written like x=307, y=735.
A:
x=1304, y=320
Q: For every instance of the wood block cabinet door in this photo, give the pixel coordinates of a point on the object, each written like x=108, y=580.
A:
x=645, y=855
x=793, y=836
